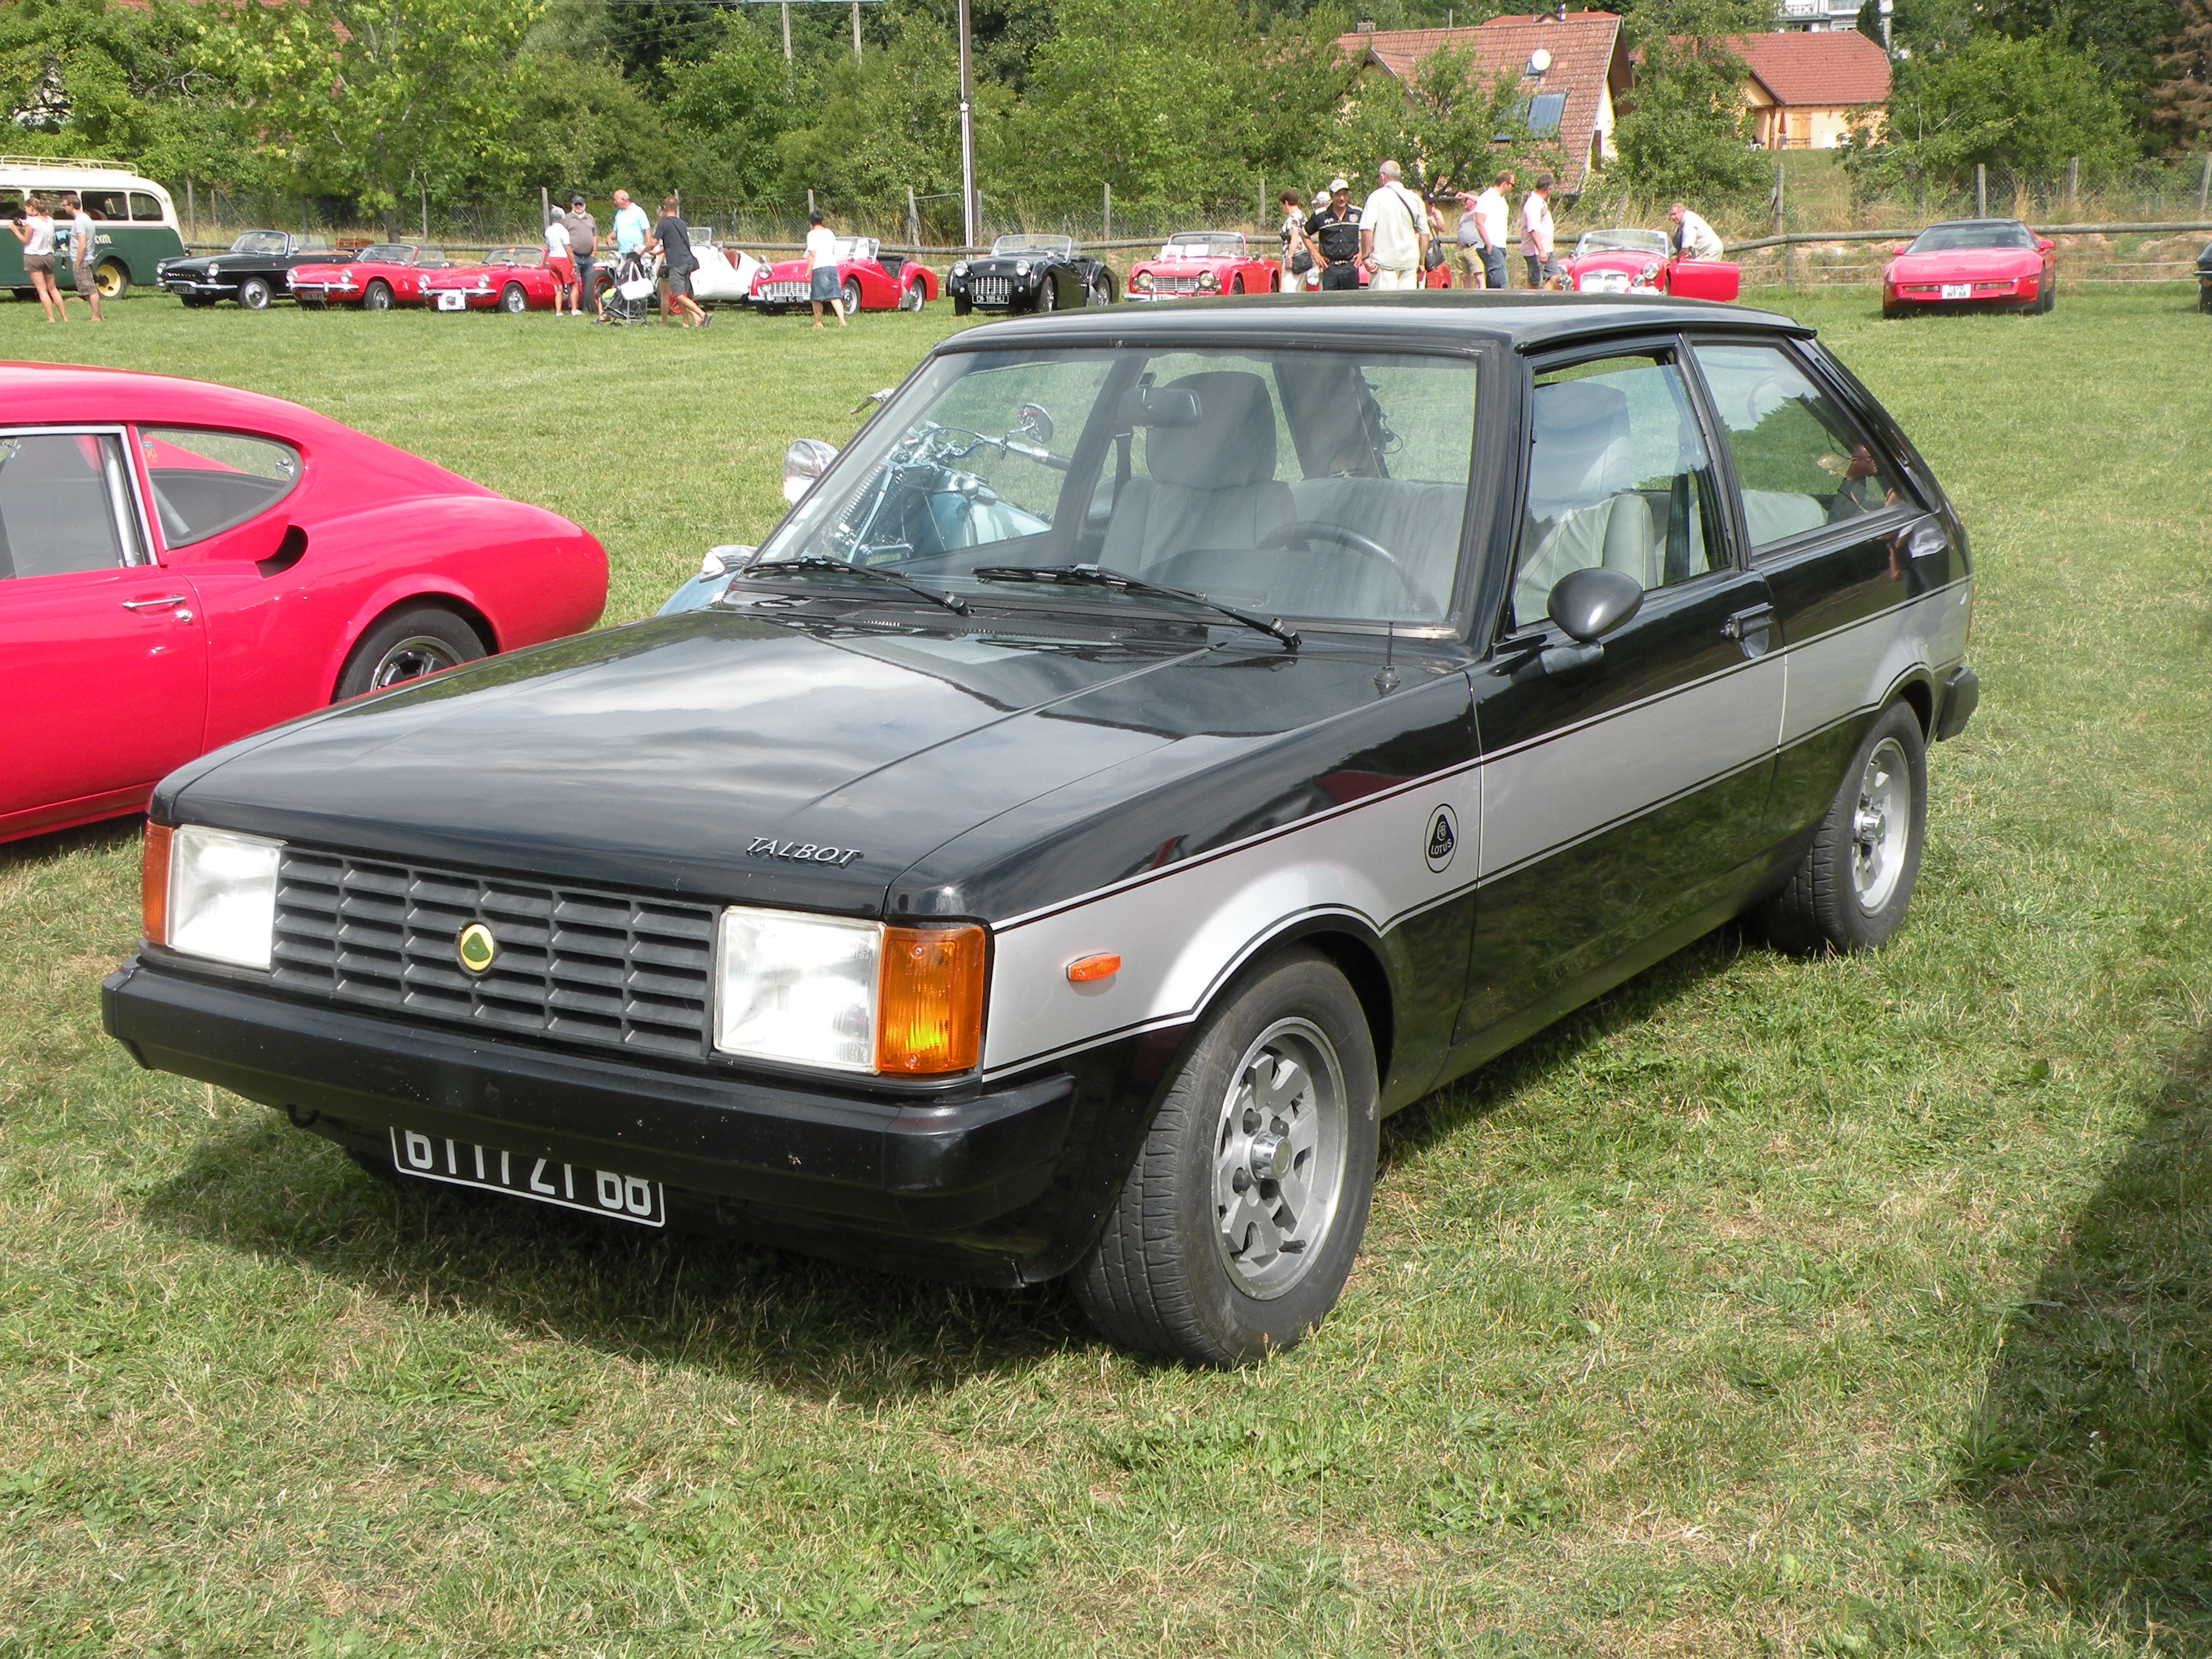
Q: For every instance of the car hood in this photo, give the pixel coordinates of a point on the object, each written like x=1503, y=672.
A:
x=329, y=269
x=1965, y=264
x=789, y=270
x=697, y=754
x=1003, y=265
x=1186, y=267
x=455, y=273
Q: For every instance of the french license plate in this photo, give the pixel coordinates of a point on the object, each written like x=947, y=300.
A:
x=1957, y=290
x=455, y=301
x=569, y=1186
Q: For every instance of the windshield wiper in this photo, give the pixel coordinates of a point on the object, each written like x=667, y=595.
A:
x=1098, y=575
x=951, y=602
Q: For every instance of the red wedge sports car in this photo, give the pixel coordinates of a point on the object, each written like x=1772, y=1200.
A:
x=1628, y=260
x=510, y=279
x=375, y=279
x=1198, y=264
x=868, y=278
x=183, y=564
x=1971, y=262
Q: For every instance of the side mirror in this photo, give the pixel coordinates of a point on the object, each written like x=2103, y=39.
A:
x=1034, y=423
x=1899, y=248
x=1588, y=604
x=2044, y=245
x=802, y=463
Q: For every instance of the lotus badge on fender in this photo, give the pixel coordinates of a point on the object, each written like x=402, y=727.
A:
x=477, y=948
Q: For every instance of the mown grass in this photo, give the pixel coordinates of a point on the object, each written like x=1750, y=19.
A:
x=1842, y=1308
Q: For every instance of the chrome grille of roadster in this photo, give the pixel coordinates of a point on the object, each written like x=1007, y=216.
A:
x=1174, y=284
x=781, y=294
x=991, y=290
x=572, y=963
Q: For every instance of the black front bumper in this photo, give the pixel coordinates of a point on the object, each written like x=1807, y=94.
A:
x=892, y=1181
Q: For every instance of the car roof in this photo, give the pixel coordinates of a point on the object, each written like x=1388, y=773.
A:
x=1523, y=321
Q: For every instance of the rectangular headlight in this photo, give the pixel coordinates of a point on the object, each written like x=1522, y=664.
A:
x=223, y=896
x=856, y=996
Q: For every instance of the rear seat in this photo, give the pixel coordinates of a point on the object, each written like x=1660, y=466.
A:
x=1419, y=523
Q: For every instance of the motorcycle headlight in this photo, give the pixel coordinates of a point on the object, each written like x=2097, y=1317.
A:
x=210, y=893
x=854, y=996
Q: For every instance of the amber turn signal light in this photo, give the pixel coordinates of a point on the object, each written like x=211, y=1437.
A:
x=154, y=885
x=929, y=1002
x=1084, y=969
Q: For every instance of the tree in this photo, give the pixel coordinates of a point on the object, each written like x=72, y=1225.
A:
x=726, y=112
x=1685, y=132
x=2122, y=35
x=2181, y=100
x=1448, y=125
x=379, y=99
x=2031, y=104
x=884, y=126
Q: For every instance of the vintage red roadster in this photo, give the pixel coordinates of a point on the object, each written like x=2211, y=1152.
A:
x=377, y=278
x=868, y=279
x=510, y=279
x=1629, y=260
x=1199, y=262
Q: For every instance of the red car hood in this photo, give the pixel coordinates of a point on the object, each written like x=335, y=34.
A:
x=1964, y=264
x=787, y=271
x=470, y=273
x=1616, y=258
x=1184, y=267
x=325, y=273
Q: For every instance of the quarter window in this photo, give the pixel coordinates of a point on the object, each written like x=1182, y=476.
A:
x=65, y=504
x=1800, y=463
x=208, y=481
x=146, y=209
x=1618, y=476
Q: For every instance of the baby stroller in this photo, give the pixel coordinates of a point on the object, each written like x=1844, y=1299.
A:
x=629, y=289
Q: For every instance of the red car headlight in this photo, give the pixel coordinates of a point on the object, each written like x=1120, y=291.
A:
x=1207, y=281
x=1141, y=282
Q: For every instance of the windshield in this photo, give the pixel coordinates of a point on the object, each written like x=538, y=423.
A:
x=1317, y=484
x=515, y=256
x=1971, y=233
x=259, y=241
x=1625, y=240
x=853, y=249
x=388, y=253
x=1194, y=245
x=1034, y=245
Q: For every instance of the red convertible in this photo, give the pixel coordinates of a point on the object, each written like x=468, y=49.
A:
x=1971, y=262
x=181, y=564
x=1196, y=263
x=510, y=279
x=375, y=279
x=1627, y=260
x=869, y=280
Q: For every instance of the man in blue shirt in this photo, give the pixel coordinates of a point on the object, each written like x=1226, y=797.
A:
x=630, y=230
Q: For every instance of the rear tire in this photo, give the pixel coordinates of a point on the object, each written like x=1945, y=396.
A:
x=254, y=293
x=1239, y=1221
x=911, y=297
x=112, y=279
x=1102, y=290
x=1856, y=878
x=1891, y=313
x=420, y=639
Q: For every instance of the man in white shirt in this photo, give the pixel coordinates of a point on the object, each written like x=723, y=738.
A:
x=1493, y=211
x=1693, y=237
x=1536, y=231
x=1394, y=234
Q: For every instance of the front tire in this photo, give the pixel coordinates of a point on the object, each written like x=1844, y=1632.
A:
x=111, y=279
x=1851, y=889
x=420, y=639
x=962, y=305
x=254, y=293
x=377, y=296
x=512, y=301
x=1048, y=298
x=850, y=294
x=1239, y=1221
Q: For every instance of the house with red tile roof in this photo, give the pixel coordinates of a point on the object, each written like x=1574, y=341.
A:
x=1804, y=85
x=1571, y=70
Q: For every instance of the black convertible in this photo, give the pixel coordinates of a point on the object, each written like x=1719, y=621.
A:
x=251, y=270
x=1030, y=273
x=1157, y=747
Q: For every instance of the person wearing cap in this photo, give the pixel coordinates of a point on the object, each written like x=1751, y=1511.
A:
x=1334, y=232
x=583, y=240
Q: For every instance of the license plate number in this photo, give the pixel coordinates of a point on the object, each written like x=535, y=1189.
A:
x=1957, y=290
x=455, y=301
x=569, y=1186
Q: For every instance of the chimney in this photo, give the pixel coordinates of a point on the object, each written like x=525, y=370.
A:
x=1366, y=26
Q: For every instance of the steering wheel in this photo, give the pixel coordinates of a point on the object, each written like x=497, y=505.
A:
x=1303, y=533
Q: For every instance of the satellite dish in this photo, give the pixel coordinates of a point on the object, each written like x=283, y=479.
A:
x=1538, y=61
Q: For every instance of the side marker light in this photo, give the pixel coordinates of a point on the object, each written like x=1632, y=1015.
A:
x=1084, y=969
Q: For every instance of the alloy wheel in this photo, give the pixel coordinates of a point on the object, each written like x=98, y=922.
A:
x=411, y=658
x=1279, y=1157
x=1882, y=825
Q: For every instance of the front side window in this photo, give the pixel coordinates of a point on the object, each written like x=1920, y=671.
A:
x=1299, y=483
x=1618, y=476
x=1799, y=462
x=208, y=481
x=65, y=504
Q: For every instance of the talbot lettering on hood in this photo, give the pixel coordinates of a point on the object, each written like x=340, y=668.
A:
x=801, y=852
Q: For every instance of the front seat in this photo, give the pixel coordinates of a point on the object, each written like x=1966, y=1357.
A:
x=1209, y=485
x=1583, y=509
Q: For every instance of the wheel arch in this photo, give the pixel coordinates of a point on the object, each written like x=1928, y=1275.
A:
x=374, y=616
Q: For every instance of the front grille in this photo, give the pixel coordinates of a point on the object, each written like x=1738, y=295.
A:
x=572, y=964
x=783, y=293
x=991, y=290
x=1174, y=284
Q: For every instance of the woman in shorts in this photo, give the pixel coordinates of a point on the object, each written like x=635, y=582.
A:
x=822, y=285
x=35, y=231
x=558, y=258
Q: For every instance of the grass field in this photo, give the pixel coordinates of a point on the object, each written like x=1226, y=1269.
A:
x=1844, y=1309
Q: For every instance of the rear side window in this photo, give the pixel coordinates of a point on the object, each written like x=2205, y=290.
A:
x=1800, y=463
x=146, y=209
x=105, y=204
x=207, y=482
x=65, y=504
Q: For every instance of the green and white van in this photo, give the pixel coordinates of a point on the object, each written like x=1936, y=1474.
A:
x=136, y=221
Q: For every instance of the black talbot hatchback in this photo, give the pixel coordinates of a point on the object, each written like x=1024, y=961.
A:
x=1155, y=748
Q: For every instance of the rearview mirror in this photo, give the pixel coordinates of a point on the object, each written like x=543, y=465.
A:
x=1160, y=405
x=802, y=463
x=1588, y=604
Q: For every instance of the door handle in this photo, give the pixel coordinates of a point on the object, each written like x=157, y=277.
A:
x=1756, y=620
x=160, y=604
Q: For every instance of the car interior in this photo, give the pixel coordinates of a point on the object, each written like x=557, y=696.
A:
x=56, y=517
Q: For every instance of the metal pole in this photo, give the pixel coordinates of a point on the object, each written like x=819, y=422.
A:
x=1107, y=235
x=810, y=205
x=971, y=207
x=426, y=212
x=544, y=209
x=1981, y=190
x=2073, y=181
x=913, y=219
x=856, y=30
x=2203, y=186
x=786, y=40
x=192, y=213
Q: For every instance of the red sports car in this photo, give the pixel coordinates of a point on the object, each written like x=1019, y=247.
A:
x=181, y=564
x=1628, y=260
x=868, y=278
x=510, y=279
x=375, y=279
x=1197, y=262
x=1971, y=262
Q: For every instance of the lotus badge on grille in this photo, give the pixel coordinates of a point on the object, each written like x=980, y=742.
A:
x=477, y=948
